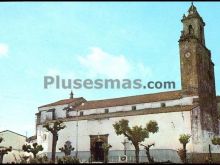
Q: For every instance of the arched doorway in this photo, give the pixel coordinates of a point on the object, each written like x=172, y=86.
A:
x=99, y=152
x=96, y=142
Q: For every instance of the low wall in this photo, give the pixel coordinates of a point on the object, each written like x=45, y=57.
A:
x=160, y=155
x=203, y=157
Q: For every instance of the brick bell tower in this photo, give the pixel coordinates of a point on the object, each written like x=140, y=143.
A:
x=197, y=68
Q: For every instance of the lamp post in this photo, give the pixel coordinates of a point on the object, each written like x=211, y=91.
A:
x=77, y=125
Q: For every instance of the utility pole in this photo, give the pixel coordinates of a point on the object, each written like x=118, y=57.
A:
x=210, y=153
x=77, y=124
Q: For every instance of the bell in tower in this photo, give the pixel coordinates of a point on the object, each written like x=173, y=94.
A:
x=193, y=26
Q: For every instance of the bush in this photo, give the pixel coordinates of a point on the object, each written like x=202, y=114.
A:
x=38, y=160
x=67, y=160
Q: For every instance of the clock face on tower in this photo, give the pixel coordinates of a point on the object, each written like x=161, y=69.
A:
x=187, y=54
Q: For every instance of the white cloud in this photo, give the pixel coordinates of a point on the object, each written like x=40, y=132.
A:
x=100, y=63
x=143, y=70
x=3, y=50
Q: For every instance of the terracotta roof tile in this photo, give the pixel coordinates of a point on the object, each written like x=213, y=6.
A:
x=63, y=102
x=12, y=132
x=131, y=100
x=31, y=138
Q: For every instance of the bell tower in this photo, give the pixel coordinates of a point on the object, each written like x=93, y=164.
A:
x=197, y=68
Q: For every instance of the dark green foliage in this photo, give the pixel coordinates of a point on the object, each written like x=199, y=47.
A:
x=216, y=141
x=152, y=126
x=136, y=134
x=184, y=139
x=38, y=160
x=67, y=148
x=68, y=160
x=34, y=149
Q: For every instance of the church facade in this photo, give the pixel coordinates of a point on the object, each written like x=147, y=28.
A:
x=192, y=110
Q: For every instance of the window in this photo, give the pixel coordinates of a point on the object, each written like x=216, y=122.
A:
x=163, y=104
x=190, y=29
x=53, y=115
x=38, y=117
x=44, y=137
x=201, y=33
x=81, y=113
x=134, y=108
x=106, y=110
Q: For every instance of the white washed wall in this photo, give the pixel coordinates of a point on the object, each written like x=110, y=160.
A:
x=171, y=125
x=14, y=140
x=60, y=113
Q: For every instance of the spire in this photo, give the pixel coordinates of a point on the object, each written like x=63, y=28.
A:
x=193, y=25
x=192, y=9
x=184, y=16
x=71, y=94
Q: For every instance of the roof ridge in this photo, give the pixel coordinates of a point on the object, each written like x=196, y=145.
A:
x=135, y=96
x=12, y=132
x=50, y=104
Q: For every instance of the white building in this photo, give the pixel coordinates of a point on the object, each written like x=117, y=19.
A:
x=192, y=110
x=15, y=140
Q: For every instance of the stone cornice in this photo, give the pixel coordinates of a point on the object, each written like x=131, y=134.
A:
x=128, y=113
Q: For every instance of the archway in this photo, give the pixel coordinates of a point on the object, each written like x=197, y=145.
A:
x=96, y=142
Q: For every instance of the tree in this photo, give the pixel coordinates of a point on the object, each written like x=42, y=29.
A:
x=183, y=139
x=54, y=129
x=34, y=149
x=4, y=151
x=68, y=160
x=147, y=148
x=106, y=148
x=216, y=140
x=67, y=148
x=135, y=134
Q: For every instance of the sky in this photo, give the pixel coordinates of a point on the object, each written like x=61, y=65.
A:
x=90, y=40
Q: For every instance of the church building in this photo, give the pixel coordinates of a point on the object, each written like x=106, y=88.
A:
x=192, y=110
